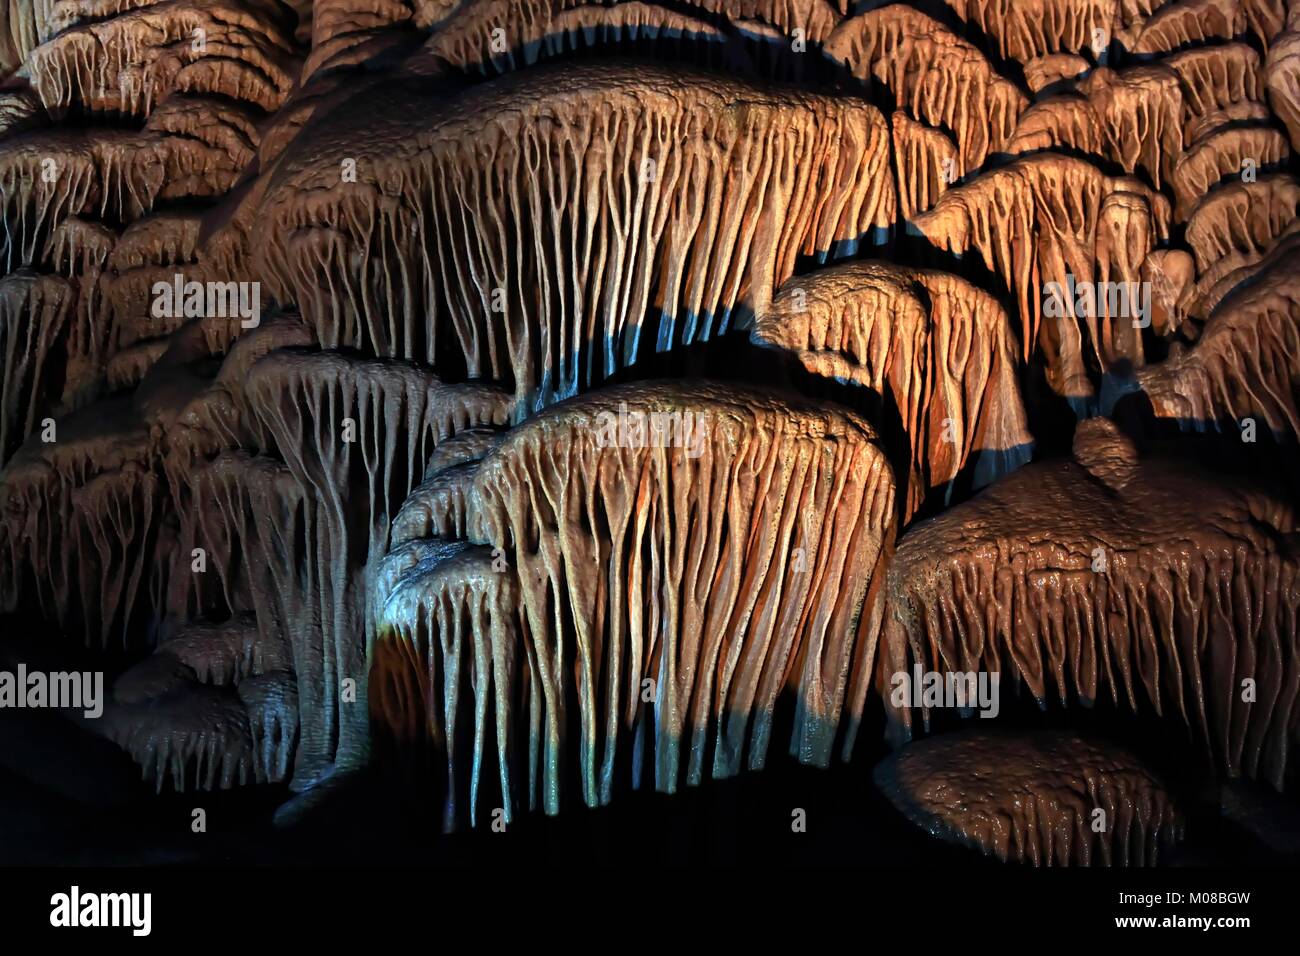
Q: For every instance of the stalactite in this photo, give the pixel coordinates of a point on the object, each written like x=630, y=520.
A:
x=1053, y=68
x=1245, y=112
x=340, y=29
x=631, y=21
x=131, y=62
x=1246, y=217
x=1067, y=121
x=1282, y=75
x=205, y=141
x=125, y=369
x=1110, y=576
x=1023, y=31
x=20, y=109
x=47, y=176
x=1141, y=112
x=939, y=78
x=1133, y=117
x=218, y=417
x=213, y=707
x=1183, y=22
x=156, y=249
x=527, y=33
x=1213, y=284
x=1036, y=221
x=458, y=237
x=80, y=514
x=265, y=532
x=1215, y=78
x=450, y=627
x=1246, y=364
x=939, y=347
x=34, y=316
x=79, y=250
x=69, y=13
x=1034, y=798
x=817, y=18
x=329, y=414
x=1266, y=19
x=50, y=175
x=1126, y=234
x=926, y=163
x=763, y=589
x=440, y=507
x=200, y=740
x=406, y=498
x=342, y=424
x=468, y=445
x=1172, y=275
x=226, y=652
x=24, y=25
x=525, y=29
x=1223, y=153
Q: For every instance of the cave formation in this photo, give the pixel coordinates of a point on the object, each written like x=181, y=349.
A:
x=539, y=400
x=1034, y=797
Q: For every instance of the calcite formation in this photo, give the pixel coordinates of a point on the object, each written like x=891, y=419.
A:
x=936, y=76
x=540, y=298
x=1245, y=366
x=1133, y=117
x=1046, y=71
x=1046, y=799
x=1282, y=74
x=1026, y=31
x=506, y=35
x=1175, y=25
x=926, y=163
x=939, y=349
x=214, y=706
x=1216, y=78
x=79, y=513
x=185, y=150
x=1112, y=576
x=129, y=62
x=1046, y=223
x=502, y=35
x=551, y=397
x=34, y=310
x=1223, y=152
x=691, y=546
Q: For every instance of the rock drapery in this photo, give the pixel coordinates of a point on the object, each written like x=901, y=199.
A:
x=940, y=348
x=717, y=543
x=1049, y=799
x=1109, y=576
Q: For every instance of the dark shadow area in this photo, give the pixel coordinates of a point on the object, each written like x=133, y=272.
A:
x=369, y=818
